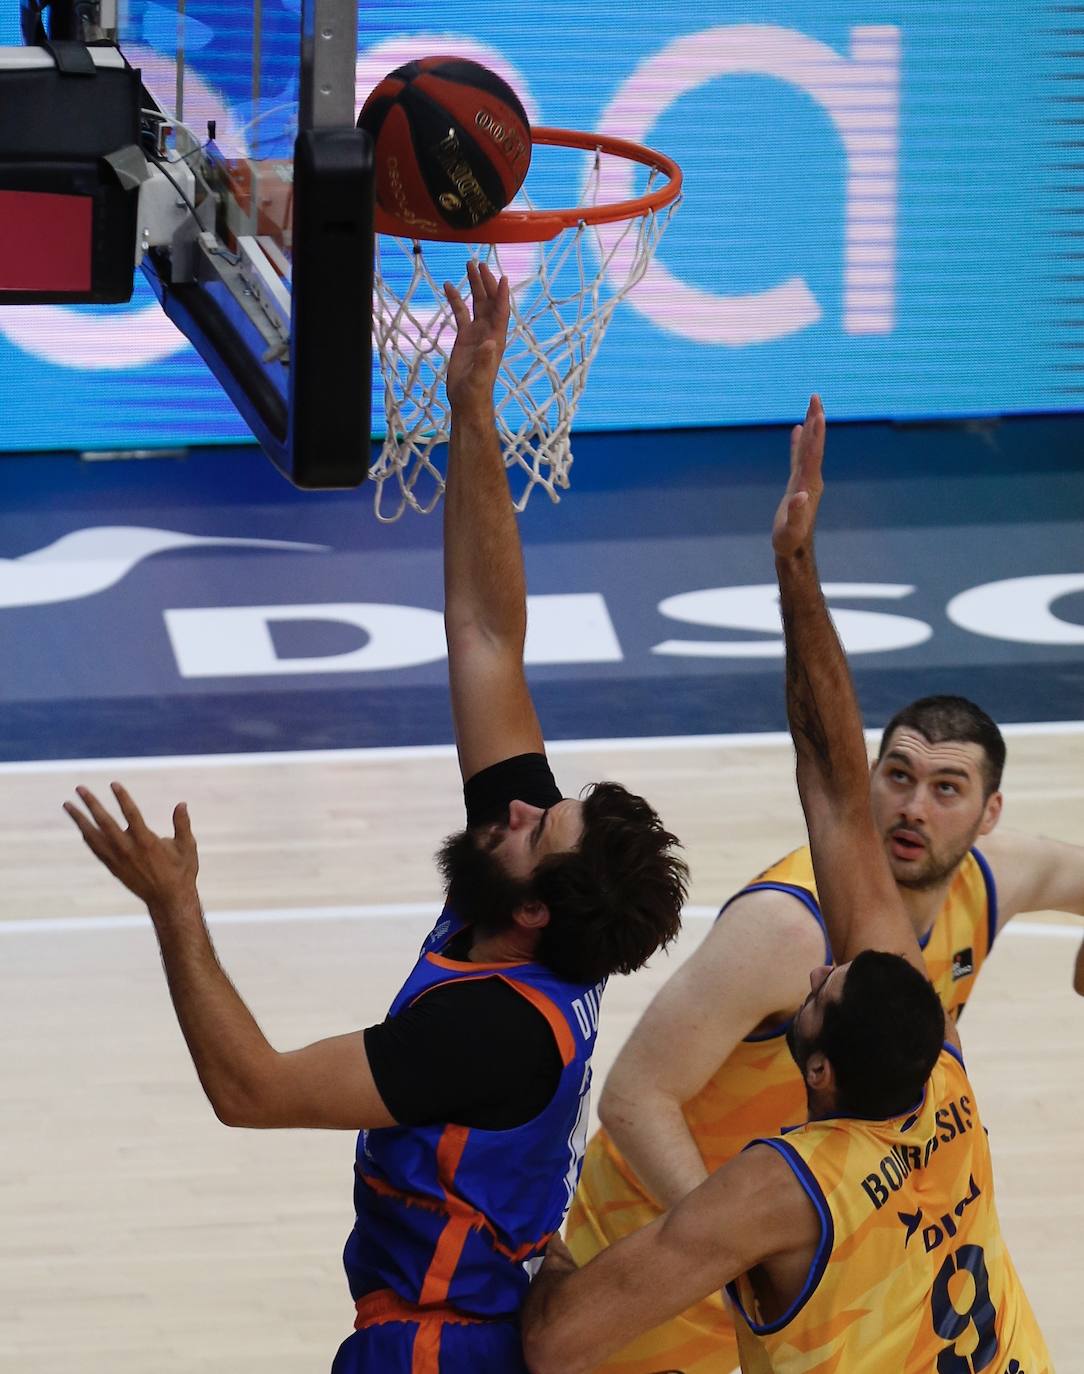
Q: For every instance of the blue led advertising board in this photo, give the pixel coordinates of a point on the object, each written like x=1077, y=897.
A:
x=879, y=204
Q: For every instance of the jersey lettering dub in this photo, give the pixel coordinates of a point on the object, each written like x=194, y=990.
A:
x=455, y=1216
x=756, y=1091
x=912, y=1273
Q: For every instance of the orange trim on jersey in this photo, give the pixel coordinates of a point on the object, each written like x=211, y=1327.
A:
x=461, y=1219
x=458, y=965
x=562, y=1032
x=457, y=1207
x=453, y=1142
x=385, y=1305
x=445, y=1261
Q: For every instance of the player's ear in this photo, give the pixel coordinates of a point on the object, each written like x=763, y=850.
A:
x=991, y=813
x=532, y=915
x=818, y=1073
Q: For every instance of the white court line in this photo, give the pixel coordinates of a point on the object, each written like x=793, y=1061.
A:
x=388, y=911
x=641, y=744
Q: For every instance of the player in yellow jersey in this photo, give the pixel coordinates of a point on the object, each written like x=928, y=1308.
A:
x=866, y=1240
x=708, y=1067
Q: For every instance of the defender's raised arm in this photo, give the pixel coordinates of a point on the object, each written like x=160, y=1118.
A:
x=861, y=905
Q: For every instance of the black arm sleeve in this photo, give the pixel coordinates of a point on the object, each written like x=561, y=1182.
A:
x=526, y=777
x=472, y=1053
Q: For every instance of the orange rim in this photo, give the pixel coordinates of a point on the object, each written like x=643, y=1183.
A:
x=537, y=226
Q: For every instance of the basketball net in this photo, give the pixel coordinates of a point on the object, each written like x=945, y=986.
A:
x=559, y=313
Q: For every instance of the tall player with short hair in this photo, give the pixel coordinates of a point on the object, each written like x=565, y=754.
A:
x=472, y=1096
x=707, y=1068
x=866, y=1240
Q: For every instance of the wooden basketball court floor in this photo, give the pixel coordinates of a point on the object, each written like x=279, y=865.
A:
x=139, y=1234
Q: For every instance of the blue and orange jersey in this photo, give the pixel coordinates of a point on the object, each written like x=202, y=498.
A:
x=451, y=1215
x=911, y=1273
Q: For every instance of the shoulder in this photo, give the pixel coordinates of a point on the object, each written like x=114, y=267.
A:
x=761, y=1194
x=465, y=1010
x=753, y=964
x=1033, y=873
x=774, y=919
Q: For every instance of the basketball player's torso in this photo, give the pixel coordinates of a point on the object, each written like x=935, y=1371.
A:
x=911, y=1272
x=491, y=1197
x=757, y=1089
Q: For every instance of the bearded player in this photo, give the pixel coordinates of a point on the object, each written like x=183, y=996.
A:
x=472, y=1096
x=866, y=1240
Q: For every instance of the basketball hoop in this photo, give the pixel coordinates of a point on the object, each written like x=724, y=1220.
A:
x=556, y=262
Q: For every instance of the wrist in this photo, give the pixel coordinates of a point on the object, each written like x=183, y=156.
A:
x=176, y=907
x=474, y=410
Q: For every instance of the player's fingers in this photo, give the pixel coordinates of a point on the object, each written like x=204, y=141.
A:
x=477, y=286
x=105, y=822
x=795, y=441
x=182, y=825
x=130, y=811
x=459, y=306
x=503, y=298
x=89, y=831
x=489, y=281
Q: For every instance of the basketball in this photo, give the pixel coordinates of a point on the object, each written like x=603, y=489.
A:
x=452, y=143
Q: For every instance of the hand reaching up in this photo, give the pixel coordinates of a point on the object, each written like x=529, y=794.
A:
x=797, y=513
x=480, y=338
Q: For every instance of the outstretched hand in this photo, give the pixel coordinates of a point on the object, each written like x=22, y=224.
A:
x=797, y=513
x=157, y=869
x=480, y=340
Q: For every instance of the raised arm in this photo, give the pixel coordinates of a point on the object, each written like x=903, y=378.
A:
x=485, y=591
x=248, y=1082
x=859, y=899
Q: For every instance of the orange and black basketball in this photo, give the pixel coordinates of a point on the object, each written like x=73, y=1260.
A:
x=452, y=143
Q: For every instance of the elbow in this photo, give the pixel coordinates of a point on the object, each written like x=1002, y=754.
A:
x=238, y=1106
x=615, y=1108
x=231, y=1111
x=623, y=1106
x=543, y=1353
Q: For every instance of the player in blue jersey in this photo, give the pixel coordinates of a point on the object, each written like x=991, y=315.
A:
x=472, y=1096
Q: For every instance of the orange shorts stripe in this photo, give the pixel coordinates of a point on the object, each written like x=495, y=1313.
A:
x=375, y=1309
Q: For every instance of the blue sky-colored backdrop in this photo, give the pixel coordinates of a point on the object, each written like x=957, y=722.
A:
x=974, y=204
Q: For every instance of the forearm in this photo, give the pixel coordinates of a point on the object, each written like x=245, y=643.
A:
x=821, y=705
x=654, y=1139
x=228, y=1048
x=484, y=583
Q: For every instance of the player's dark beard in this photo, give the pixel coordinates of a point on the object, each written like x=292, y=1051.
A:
x=937, y=869
x=476, y=886
x=800, y=1048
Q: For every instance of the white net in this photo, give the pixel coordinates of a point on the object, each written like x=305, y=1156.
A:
x=563, y=294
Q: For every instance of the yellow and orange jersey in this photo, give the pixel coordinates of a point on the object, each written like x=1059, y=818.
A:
x=912, y=1273
x=756, y=1091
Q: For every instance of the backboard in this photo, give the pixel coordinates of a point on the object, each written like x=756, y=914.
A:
x=256, y=232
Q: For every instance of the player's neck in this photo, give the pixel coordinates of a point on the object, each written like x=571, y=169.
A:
x=514, y=945
x=923, y=904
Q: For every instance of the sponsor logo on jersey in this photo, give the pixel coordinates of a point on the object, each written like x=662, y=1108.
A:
x=963, y=964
